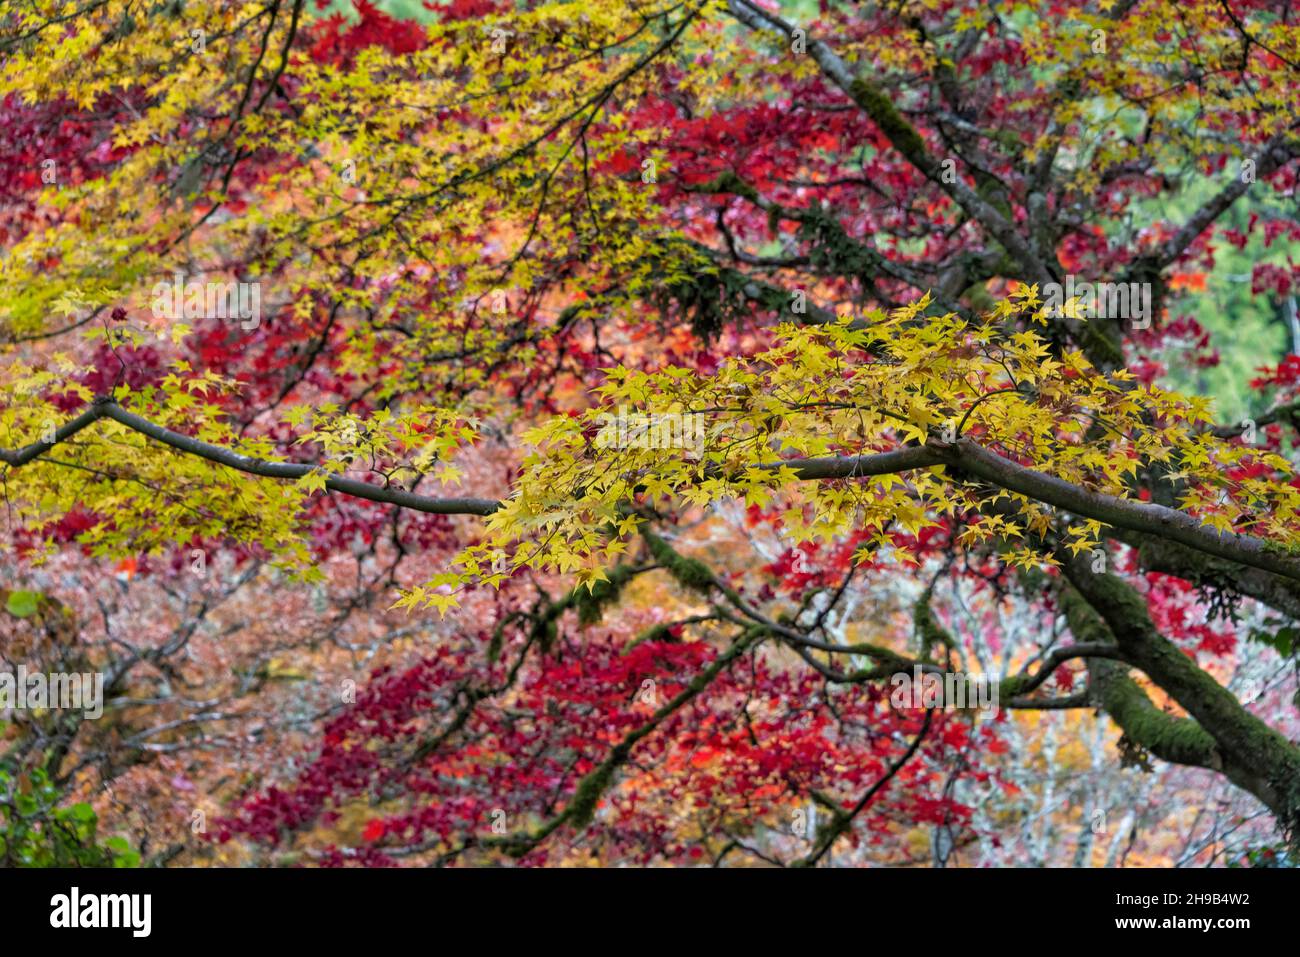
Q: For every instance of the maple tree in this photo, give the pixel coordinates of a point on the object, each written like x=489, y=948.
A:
x=818, y=247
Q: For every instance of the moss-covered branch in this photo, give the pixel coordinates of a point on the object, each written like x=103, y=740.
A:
x=1220, y=733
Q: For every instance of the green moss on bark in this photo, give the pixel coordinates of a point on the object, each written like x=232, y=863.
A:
x=690, y=573
x=928, y=629
x=582, y=806
x=891, y=122
x=591, y=604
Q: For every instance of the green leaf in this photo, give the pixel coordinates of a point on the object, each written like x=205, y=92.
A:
x=1285, y=640
x=22, y=604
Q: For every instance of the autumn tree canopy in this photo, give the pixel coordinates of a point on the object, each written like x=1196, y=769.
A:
x=477, y=431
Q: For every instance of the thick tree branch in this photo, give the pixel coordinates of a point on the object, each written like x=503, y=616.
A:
x=1221, y=734
x=244, y=463
x=1170, y=558
x=1158, y=520
x=1145, y=517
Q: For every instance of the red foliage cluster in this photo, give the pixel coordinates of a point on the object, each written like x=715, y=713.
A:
x=737, y=746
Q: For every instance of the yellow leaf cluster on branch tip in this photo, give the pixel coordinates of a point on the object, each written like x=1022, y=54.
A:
x=677, y=439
